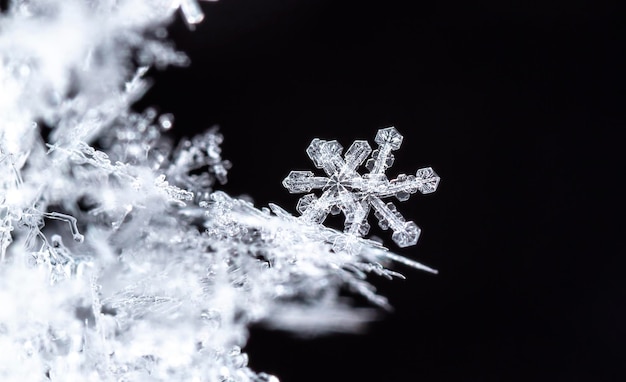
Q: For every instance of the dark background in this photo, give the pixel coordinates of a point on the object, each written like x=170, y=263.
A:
x=518, y=105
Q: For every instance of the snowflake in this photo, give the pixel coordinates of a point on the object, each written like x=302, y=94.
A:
x=346, y=191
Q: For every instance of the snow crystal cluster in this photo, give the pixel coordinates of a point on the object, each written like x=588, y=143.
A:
x=120, y=258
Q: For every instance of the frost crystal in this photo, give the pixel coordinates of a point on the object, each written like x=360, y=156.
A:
x=191, y=10
x=345, y=191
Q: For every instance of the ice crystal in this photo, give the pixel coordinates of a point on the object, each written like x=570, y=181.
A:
x=345, y=191
x=191, y=11
x=121, y=260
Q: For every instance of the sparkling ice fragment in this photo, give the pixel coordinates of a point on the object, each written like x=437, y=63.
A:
x=191, y=10
x=346, y=191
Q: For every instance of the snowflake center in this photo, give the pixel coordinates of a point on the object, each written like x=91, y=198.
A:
x=338, y=183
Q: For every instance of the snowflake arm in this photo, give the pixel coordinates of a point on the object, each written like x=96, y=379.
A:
x=345, y=190
x=388, y=139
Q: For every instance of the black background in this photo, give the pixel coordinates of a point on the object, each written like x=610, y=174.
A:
x=518, y=105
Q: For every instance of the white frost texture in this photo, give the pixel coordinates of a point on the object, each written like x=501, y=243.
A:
x=120, y=258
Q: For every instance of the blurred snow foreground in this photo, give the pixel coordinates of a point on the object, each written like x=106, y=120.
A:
x=120, y=261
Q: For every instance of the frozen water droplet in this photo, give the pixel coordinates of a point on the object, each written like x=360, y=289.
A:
x=166, y=121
